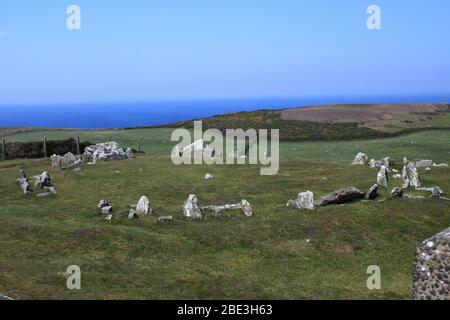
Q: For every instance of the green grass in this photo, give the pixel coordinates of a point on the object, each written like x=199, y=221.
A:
x=262, y=257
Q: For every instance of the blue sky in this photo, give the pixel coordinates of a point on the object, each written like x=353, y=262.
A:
x=204, y=49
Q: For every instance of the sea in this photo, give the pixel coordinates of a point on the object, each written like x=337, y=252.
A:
x=137, y=114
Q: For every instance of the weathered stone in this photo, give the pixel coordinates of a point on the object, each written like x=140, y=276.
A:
x=104, y=152
x=360, y=159
x=440, y=165
x=143, y=206
x=387, y=162
x=414, y=177
x=431, y=267
x=129, y=153
x=341, y=196
x=22, y=181
x=132, y=214
x=191, y=208
x=165, y=218
x=436, y=192
x=423, y=163
x=102, y=203
x=43, y=180
x=397, y=192
x=305, y=200
x=372, y=193
x=106, y=209
x=208, y=176
x=382, y=177
x=244, y=206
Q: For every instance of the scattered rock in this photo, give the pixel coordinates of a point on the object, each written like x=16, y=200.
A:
x=132, y=214
x=22, y=181
x=191, y=208
x=208, y=176
x=4, y=297
x=129, y=153
x=431, y=268
x=436, y=192
x=104, y=152
x=50, y=191
x=440, y=165
x=397, y=176
x=305, y=200
x=372, y=193
x=244, y=206
x=360, y=159
x=43, y=180
x=165, y=218
x=102, y=203
x=341, y=196
x=109, y=217
x=428, y=169
x=387, y=162
x=414, y=177
x=382, y=177
x=106, y=209
x=143, y=206
x=397, y=192
x=77, y=169
x=423, y=163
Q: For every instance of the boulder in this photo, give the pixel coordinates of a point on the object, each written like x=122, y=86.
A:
x=414, y=177
x=102, y=203
x=305, y=200
x=372, y=194
x=382, y=177
x=43, y=180
x=440, y=165
x=104, y=152
x=143, y=206
x=387, y=162
x=436, y=192
x=360, y=159
x=50, y=191
x=165, y=218
x=431, y=268
x=132, y=214
x=341, y=196
x=129, y=153
x=106, y=209
x=23, y=183
x=191, y=208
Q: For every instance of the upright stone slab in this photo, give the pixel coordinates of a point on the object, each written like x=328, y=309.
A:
x=143, y=206
x=305, y=200
x=191, y=208
x=431, y=268
x=382, y=177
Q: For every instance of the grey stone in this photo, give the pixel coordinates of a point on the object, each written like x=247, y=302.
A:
x=102, y=203
x=372, y=193
x=143, y=206
x=423, y=163
x=382, y=177
x=43, y=180
x=305, y=200
x=360, y=159
x=106, y=209
x=397, y=192
x=431, y=266
x=341, y=196
x=244, y=206
x=132, y=214
x=23, y=183
x=104, y=152
x=191, y=208
x=165, y=218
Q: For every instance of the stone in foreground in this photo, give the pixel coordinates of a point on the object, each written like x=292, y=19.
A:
x=305, y=200
x=431, y=268
x=191, y=208
x=382, y=177
x=23, y=183
x=341, y=196
x=372, y=194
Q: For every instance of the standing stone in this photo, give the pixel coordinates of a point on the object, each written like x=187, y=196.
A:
x=23, y=183
x=143, y=206
x=414, y=177
x=246, y=208
x=360, y=159
x=43, y=180
x=305, y=200
x=102, y=203
x=431, y=268
x=191, y=208
x=382, y=177
x=129, y=153
x=372, y=193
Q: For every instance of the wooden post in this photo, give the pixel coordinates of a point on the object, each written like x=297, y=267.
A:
x=3, y=150
x=45, y=147
x=78, y=145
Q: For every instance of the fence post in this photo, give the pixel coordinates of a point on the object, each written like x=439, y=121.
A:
x=78, y=145
x=3, y=150
x=45, y=147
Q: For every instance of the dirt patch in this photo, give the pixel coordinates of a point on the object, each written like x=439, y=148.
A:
x=361, y=113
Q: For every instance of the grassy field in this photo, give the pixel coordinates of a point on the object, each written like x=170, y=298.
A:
x=262, y=257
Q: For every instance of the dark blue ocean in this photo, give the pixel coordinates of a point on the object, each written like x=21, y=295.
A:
x=122, y=115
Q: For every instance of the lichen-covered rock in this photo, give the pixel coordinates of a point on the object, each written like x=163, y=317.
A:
x=191, y=208
x=305, y=200
x=360, y=159
x=382, y=177
x=104, y=152
x=341, y=196
x=431, y=268
x=43, y=180
x=423, y=163
x=143, y=206
x=372, y=193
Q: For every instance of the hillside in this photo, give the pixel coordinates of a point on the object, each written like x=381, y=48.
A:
x=336, y=122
